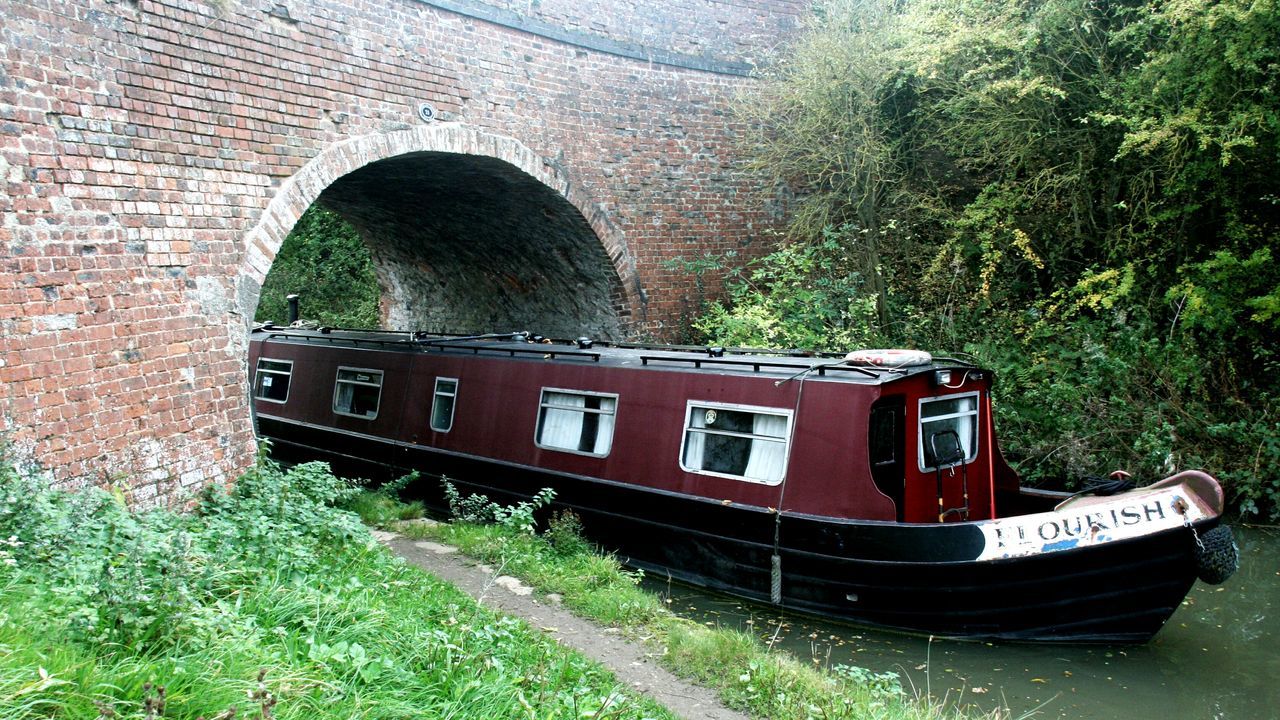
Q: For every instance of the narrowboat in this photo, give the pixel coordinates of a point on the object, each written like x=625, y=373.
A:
x=868, y=487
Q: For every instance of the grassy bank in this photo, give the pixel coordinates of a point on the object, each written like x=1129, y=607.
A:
x=264, y=602
x=746, y=674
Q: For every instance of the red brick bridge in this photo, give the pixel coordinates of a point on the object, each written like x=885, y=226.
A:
x=512, y=164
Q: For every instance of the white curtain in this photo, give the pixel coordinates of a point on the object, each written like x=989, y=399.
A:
x=346, y=391
x=562, y=428
x=966, y=424
x=768, y=456
x=960, y=415
x=695, y=443
x=604, y=431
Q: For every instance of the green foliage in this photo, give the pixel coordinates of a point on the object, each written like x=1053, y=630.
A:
x=383, y=507
x=108, y=575
x=279, y=517
x=886, y=683
x=745, y=673
x=591, y=584
x=564, y=534
x=1217, y=294
x=378, y=510
x=805, y=295
x=267, y=593
x=477, y=508
x=326, y=263
x=1079, y=193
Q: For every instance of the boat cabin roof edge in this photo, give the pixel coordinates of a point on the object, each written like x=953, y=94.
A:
x=786, y=364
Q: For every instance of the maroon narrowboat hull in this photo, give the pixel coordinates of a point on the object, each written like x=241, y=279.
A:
x=911, y=578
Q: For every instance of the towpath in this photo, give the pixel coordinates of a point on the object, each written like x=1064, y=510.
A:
x=630, y=662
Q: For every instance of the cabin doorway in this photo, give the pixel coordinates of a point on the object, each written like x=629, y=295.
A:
x=886, y=445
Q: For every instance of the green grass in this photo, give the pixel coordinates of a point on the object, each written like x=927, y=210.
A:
x=739, y=667
x=267, y=600
x=379, y=510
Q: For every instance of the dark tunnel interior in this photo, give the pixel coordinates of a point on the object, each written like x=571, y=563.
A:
x=465, y=243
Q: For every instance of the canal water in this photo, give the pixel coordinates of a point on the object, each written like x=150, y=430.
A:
x=1217, y=658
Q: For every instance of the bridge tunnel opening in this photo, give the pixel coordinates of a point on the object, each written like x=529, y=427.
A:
x=466, y=243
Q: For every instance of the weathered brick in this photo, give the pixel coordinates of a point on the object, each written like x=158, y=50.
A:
x=154, y=160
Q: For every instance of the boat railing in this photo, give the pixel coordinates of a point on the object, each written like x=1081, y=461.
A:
x=414, y=340
x=550, y=352
x=703, y=349
x=326, y=336
x=760, y=365
x=695, y=355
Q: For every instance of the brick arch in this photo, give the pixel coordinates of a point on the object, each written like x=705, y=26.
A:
x=340, y=160
x=142, y=144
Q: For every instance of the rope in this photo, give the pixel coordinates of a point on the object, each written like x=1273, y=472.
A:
x=775, y=570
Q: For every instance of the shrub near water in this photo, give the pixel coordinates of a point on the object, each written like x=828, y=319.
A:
x=267, y=600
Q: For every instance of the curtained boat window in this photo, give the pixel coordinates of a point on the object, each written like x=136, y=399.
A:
x=576, y=422
x=442, y=404
x=272, y=381
x=733, y=441
x=356, y=392
x=949, y=430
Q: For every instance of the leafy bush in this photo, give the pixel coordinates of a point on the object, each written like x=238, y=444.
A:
x=887, y=684
x=277, y=517
x=383, y=506
x=106, y=574
x=110, y=575
x=1078, y=193
x=800, y=296
x=106, y=613
x=477, y=508
x=564, y=534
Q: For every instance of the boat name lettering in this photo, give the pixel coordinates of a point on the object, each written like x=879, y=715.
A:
x=1080, y=526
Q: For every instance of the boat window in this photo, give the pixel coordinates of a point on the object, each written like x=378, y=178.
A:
x=356, y=392
x=948, y=431
x=576, y=422
x=272, y=381
x=442, y=404
x=735, y=441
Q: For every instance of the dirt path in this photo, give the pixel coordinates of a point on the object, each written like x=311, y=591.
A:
x=630, y=662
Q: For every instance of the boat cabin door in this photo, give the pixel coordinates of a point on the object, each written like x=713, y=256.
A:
x=948, y=455
x=944, y=437
x=887, y=447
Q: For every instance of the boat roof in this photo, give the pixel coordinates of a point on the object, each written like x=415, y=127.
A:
x=779, y=363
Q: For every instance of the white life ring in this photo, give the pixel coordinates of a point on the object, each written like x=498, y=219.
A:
x=889, y=358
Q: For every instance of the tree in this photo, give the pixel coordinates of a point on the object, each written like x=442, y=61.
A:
x=1080, y=192
x=325, y=262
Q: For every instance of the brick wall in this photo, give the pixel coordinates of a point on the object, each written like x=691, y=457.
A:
x=153, y=154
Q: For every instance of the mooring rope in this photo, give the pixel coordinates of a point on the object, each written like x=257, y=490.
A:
x=775, y=569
